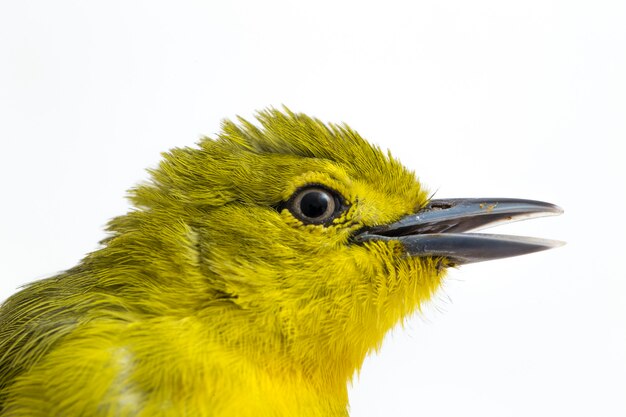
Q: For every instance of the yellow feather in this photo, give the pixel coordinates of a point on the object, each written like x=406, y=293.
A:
x=211, y=298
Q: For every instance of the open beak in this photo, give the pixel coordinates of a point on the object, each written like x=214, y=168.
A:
x=438, y=229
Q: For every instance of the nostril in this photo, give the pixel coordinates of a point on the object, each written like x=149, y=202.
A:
x=438, y=205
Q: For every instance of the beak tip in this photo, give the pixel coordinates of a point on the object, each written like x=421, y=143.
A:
x=556, y=244
x=558, y=210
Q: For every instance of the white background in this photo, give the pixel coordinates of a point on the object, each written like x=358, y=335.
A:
x=482, y=98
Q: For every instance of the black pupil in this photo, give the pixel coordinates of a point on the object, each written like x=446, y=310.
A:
x=314, y=204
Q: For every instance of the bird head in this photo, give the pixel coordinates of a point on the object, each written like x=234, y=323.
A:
x=298, y=240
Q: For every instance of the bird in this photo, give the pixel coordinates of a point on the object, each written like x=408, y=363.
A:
x=252, y=276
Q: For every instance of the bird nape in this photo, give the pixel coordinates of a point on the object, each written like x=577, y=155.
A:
x=252, y=278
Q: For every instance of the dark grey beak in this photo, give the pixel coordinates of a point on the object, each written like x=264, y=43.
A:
x=438, y=229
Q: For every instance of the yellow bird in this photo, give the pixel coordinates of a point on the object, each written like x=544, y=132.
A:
x=252, y=278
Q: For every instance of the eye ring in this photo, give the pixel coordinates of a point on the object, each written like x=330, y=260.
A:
x=316, y=204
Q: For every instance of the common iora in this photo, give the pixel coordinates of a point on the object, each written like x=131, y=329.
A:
x=254, y=274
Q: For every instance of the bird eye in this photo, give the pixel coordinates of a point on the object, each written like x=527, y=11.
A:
x=315, y=205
